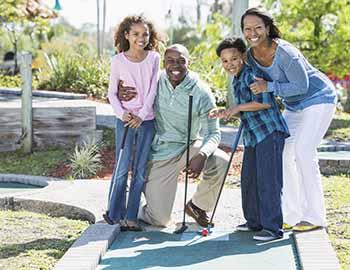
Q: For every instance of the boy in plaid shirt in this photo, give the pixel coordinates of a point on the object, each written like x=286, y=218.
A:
x=263, y=136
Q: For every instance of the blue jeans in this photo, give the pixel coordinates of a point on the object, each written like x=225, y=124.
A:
x=261, y=183
x=142, y=137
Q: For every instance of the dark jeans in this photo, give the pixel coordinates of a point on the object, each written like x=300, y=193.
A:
x=261, y=183
x=144, y=136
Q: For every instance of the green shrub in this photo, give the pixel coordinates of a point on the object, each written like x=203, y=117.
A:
x=10, y=81
x=15, y=81
x=76, y=73
x=204, y=58
x=93, y=77
x=73, y=66
x=86, y=160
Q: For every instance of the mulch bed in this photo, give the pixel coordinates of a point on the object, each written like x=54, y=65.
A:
x=62, y=170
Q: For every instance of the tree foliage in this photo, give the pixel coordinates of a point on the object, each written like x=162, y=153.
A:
x=204, y=58
x=321, y=29
x=17, y=21
x=202, y=42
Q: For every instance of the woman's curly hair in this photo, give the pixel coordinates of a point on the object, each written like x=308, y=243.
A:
x=122, y=44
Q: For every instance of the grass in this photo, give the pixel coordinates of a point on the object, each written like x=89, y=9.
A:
x=36, y=163
x=44, y=161
x=337, y=194
x=31, y=241
x=339, y=129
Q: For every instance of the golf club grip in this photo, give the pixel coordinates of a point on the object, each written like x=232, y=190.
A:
x=124, y=137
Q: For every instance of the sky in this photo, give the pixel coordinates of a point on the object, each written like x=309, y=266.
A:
x=78, y=12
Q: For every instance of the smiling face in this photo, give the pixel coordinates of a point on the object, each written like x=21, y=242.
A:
x=232, y=60
x=255, y=31
x=138, y=36
x=176, y=65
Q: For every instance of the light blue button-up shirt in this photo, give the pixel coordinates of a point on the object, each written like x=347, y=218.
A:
x=171, y=108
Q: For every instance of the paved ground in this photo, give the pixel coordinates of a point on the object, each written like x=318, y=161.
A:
x=155, y=247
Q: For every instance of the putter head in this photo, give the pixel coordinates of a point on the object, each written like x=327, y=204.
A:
x=209, y=228
x=181, y=229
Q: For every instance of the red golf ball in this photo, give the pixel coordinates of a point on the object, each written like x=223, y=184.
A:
x=205, y=232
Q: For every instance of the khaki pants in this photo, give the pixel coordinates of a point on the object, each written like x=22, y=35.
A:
x=161, y=184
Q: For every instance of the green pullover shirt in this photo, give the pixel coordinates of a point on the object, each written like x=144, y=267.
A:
x=171, y=109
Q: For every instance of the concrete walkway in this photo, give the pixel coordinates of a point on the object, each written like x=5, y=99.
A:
x=222, y=249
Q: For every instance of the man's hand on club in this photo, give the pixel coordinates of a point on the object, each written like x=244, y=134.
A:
x=125, y=93
x=196, y=165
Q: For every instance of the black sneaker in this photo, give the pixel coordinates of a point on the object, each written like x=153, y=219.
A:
x=267, y=235
x=245, y=228
x=199, y=215
x=107, y=219
x=122, y=225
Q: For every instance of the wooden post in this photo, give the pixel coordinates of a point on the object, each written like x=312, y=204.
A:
x=239, y=6
x=98, y=30
x=27, y=111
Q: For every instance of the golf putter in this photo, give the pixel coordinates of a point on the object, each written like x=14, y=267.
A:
x=189, y=124
x=113, y=183
x=207, y=230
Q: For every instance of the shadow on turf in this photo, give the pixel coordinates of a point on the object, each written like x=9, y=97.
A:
x=143, y=250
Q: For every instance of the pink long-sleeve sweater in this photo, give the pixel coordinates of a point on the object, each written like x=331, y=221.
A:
x=141, y=75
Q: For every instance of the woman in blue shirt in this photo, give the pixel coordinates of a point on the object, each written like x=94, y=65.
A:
x=309, y=97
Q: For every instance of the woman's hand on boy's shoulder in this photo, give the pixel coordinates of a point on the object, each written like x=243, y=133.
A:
x=259, y=86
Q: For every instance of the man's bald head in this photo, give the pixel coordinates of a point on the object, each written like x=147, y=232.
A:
x=179, y=48
x=176, y=59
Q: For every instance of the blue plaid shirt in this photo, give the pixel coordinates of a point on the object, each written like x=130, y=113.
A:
x=257, y=124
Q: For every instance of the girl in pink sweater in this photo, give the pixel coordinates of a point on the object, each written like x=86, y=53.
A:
x=137, y=65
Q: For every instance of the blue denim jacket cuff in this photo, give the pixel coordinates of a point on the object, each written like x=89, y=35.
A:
x=270, y=87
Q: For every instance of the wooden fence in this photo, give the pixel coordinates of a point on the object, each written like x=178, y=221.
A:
x=56, y=125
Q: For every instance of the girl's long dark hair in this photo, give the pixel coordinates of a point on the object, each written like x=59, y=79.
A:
x=122, y=44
